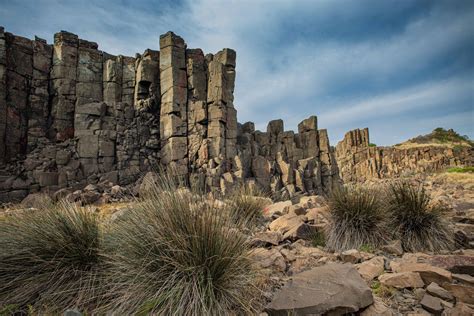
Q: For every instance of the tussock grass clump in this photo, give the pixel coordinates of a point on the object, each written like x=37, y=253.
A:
x=50, y=258
x=246, y=204
x=356, y=218
x=418, y=224
x=179, y=253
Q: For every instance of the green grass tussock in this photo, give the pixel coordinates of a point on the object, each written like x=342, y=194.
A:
x=179, y=253
x=415, y=221
x=51, y=257
x=356, y=218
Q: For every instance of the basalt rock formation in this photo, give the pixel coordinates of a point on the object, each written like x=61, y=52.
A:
x=358, y=162
x=72, y=115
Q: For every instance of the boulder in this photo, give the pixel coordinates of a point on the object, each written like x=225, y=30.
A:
x=286, y=222
x=436, y=290
x=371, y=269
x=459, y=310
x=37, y=200
x=461, y=292
x=401, y=280
x=377, y=309
x=333, y=288
x=276, y=208
x=269, y=258
x=432, y=304
x=427, y=272
x=351, y=256
x=268, y=237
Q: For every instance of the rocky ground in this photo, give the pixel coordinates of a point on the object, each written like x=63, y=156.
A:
x=309, y=280
x=305, y=278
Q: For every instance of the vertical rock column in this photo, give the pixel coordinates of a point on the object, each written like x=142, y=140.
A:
x=63, y=77
x=227, y=58
x=3, y=93
x=89, y=74
x=39, y=95
x=197, y=109
x=112, y=80
x=173, y=114
x=328, y=162
x=19, y=75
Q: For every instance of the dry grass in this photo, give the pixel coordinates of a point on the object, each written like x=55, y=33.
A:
x=51, y=257
x=177, y=253
x=418, y=223
x=408, y=145
x=356, y=218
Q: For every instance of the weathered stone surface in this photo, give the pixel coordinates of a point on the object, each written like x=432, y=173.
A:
x=100, y=115
x=371, y=269
x=427, y=272
x=436, y=290
x=432, y=304
x=402, y=280
x=332, y=288
x=357, y=161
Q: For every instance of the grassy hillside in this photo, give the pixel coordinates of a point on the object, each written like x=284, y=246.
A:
x=438, y=137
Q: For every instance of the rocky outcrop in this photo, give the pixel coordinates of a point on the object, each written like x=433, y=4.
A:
x=72, y=115
x=358, y=161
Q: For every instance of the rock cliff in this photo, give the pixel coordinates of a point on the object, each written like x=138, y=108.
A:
x=72, y=115
x=358, y=161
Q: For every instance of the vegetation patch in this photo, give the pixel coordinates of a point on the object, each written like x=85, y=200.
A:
x=356, y=218
x=51, y=257
x=415, y=221
x=180, y=253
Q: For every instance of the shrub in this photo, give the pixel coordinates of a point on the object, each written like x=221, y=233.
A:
x=418, y=224
x=372, y=145
x=50, y=257
x=356, y=218
x=178, y=253
x=246, y=205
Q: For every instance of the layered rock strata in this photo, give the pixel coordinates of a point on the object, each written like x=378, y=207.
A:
x=358, y=161
x=71, y=115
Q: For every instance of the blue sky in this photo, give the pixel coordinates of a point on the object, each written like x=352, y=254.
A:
x=401, y=68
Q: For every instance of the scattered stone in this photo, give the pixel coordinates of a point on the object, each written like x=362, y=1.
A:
x=436, y=290
x=432, y=304
x=402, y=280
x=37, y=200
x=333, y=288
x=276, y=208
x=460, y=309
x=351, y=256
x=464, y=279
x=427, y=272
x=461, y=292
x=378, y=308
x=269, y=258
x=268, y=237
x=371, y=269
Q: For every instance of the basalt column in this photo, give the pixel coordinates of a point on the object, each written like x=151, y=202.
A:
x=39, y=94
x=63, y=77
x=19, y=75
x=197, y=109
x=173, y=114
x=3, y=93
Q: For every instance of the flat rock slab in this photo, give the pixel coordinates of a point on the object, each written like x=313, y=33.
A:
x=334, y=287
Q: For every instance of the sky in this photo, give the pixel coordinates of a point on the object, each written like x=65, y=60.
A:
x=399, y=67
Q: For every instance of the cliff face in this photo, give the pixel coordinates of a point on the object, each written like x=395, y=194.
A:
x=71, y=115
x=357, y=161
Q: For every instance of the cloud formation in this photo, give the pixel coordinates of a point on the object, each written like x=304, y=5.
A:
x=401, y=68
